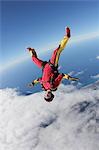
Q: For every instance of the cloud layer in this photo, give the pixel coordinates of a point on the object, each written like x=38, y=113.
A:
x=69, y=122
x=95, y=77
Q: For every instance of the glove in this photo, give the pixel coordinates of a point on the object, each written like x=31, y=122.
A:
x=73, y=79
x=32, y=51
x=30, y=85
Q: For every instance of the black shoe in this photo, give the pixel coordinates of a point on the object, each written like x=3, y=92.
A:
x=68, y=32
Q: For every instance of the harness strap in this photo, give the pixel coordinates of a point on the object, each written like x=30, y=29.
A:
x=54, y=68
x=55, y=72
x=43, y=64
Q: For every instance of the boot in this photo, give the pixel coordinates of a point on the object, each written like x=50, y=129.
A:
x=68, y=32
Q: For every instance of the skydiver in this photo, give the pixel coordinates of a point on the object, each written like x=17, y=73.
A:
x=51, y=78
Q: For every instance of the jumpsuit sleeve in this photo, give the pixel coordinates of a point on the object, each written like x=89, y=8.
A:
x=33, y=83
x=36, y=81
x=66, y=76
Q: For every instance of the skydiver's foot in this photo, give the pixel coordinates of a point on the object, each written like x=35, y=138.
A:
x=68, y=32
x=32, y=51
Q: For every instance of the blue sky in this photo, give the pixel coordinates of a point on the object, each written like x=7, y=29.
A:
x=39, y=24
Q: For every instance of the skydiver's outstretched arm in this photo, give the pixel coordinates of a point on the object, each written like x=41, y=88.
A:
x=35, y=59
x=34, y=82
x=68, y=77
x=55, y=57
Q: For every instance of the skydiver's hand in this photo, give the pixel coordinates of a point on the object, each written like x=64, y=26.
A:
x=68, y=32
x=30, y=49
x=73, y=79
x=30, y=85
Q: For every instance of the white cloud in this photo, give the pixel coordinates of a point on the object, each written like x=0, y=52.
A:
x=97, y=57
x=95, y=76
x=84, y=37
x=71, y=73
x=69, y=122
x=80, y=72
x=12, y=63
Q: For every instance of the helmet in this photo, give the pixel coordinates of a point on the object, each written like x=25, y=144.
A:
x=48, y=96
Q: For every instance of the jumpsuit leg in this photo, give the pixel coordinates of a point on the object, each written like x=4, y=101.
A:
x=56, y=54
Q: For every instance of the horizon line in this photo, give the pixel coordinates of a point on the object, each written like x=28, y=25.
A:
x=74, y=39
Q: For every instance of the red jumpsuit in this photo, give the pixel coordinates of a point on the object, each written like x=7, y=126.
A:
x=48, y=73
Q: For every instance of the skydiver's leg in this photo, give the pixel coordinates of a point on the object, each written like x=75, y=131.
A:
x=55, y=57
x=56, y=54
